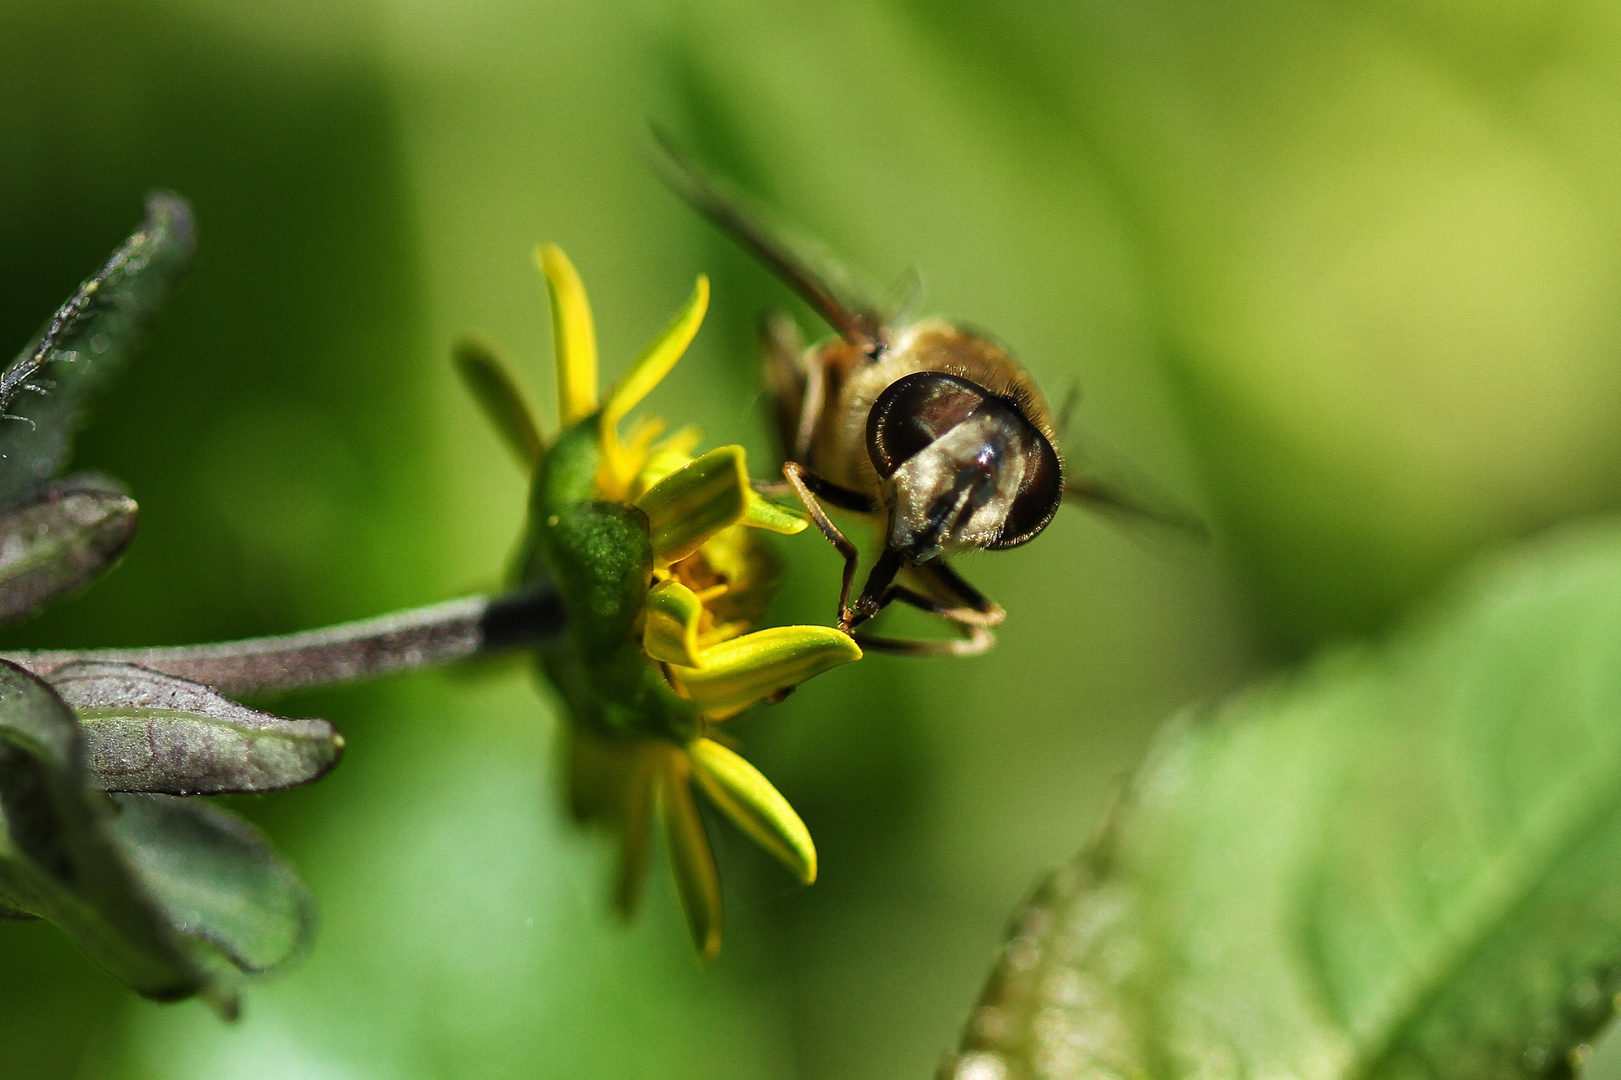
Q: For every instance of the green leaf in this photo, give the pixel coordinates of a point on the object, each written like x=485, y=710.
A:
x=58, y=859
x=216, y=879
x=61, y=540
x=150, y=732
x=158, y=891
x=1405, y=861
x=44, y=389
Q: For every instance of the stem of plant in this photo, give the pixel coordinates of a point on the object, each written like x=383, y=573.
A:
x=348, y=652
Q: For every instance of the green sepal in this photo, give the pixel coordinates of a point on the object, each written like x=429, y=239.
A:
x=600, y=556
x=746, y=669
x=670, y=633
x=743, y=794
x=489, y=377
x=568, y=472
x=695, y=502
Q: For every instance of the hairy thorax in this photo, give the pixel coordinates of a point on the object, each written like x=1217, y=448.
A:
x=855, y=383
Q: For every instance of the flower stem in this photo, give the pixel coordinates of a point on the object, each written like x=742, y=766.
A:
x=348, y=652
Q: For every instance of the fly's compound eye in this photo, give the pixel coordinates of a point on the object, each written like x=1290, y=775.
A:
x=913, y=412
x=1041, y=491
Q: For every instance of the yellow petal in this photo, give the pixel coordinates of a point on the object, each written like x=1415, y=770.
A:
x=739, y=672
x=670, y=631
x=666, y=457
x=759, y=809
x=637, y=824
x=773, y=518
x=695, y=502
x=659, y=357
x=692, y=859
x=646, y=373
x=499, y=392
x=574, y=333
x=642, y=433
x=684, y=441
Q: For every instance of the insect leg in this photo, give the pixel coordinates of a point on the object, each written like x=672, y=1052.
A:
x=978, y=640
x=962, y=616
x=974, y=607
x=807, y=485
x=878, y=591
x=829, y=492
x=973, y=614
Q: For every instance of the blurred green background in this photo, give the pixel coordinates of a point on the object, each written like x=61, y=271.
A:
x=1344, y=275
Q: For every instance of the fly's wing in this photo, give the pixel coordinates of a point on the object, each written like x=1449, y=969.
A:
x=1101, y=479
x=904, y=300
x=44, y=389
x=817, y=279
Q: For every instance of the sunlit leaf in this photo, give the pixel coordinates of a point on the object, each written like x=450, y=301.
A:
x=61, y=540
x=1404, y=862
x=156, y=733
x=44, y=389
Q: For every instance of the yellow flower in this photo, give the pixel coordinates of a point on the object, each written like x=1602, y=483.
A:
x=656, y=557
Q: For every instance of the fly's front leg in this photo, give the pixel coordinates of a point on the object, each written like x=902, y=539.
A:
x=807, y=485
x=878, y=591
x=968, y=610
x=973, y=608
x=978, y=640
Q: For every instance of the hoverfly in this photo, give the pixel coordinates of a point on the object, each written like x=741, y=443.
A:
x=933, y=431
